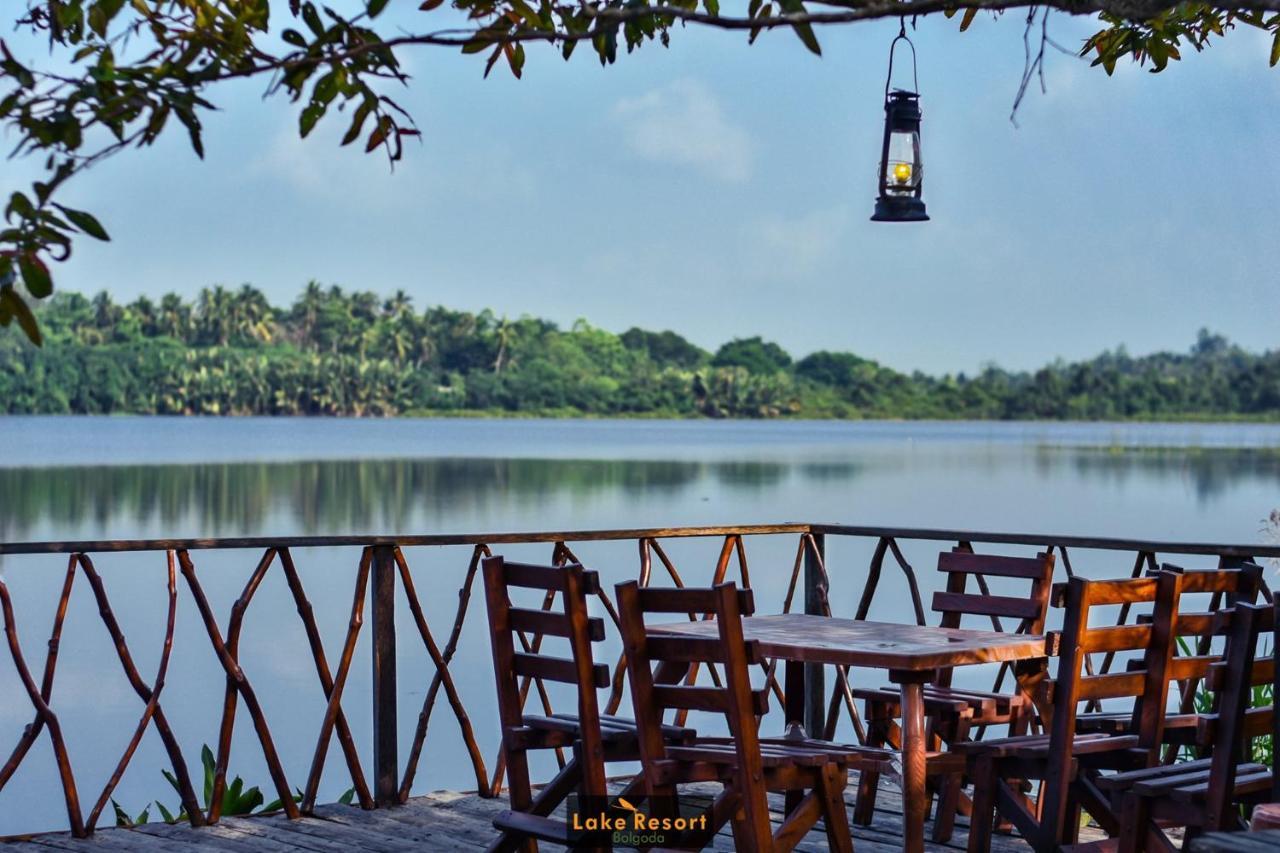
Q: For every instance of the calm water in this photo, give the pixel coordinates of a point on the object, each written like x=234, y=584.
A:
x=87, y=478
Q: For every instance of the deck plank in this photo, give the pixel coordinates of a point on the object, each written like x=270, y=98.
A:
x=443, y=820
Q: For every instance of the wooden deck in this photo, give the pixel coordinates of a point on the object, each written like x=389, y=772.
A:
x=444, y=820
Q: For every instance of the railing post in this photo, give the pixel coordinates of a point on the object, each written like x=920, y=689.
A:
x=386, y=764
x=815, y=596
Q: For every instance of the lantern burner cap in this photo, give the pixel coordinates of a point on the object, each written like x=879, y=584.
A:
x=899, y=210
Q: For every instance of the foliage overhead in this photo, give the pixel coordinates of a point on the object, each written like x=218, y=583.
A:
x=120, y=73
x=335, y=352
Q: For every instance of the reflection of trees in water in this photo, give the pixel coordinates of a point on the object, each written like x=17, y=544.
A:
x=1210, y=470
x=325, y=497
x=334, y=497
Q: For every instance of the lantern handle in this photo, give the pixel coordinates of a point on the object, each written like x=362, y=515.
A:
x=915, y=74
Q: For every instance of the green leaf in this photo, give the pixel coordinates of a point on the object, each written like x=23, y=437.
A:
x=357, y=121
x=168, y=816
x=86, y=222
x=428, y=5
x=805, y=32
x=310, y=115
x=294, y=38
x=122, y=817
x=347, y=796
x=210, y=767
x=379, y=134
x=12, y=306
x=35, y=275
x=1275, y=49
x=21, y=205
x=375, y=7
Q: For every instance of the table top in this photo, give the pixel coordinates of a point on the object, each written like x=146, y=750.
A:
x=885, y=645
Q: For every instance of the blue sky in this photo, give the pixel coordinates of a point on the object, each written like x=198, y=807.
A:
x=720, y=189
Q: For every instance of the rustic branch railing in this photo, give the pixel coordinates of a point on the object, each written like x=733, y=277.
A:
x=381, y=562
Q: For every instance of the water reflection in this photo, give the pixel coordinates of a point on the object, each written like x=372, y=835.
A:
x=360, y=496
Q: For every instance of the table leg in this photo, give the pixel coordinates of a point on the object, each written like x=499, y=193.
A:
x=793, y=690
x=914, y=801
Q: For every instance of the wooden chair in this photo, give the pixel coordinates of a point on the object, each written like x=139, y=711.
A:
x=1195, y=655
x=1206, y=795
x=593, y=738
x=953, y=713
x=746, y=766
x=1066, y=762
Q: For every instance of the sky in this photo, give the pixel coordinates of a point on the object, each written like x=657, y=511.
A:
x=724, y=190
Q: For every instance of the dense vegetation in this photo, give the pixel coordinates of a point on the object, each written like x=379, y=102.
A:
x=334, y=352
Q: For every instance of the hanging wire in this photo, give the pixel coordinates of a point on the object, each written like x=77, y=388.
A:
x=915, y=74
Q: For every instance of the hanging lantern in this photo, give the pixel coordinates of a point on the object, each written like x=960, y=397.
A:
x=901, y=169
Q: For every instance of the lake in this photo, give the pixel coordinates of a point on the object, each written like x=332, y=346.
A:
x=116, y=478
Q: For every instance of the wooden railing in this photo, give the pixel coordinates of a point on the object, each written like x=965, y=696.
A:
x=381, y=567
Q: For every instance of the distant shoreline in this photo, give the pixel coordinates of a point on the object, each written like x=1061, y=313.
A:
x=335, y=352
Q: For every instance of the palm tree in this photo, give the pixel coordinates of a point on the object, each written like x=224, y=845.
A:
x=399, y=303
x=305, y=313
x=175, y=317
x=253, y=316
x=215, y=317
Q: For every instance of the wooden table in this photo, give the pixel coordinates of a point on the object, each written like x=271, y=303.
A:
x=910, y=653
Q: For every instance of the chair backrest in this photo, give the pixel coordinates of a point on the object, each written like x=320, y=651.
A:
x=1195, y=628
x=1148, y=687
x=1236, y=720
x=955, y=603
x=509, y=624
x=733, y=697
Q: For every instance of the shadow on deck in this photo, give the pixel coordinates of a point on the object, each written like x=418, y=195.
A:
x=444, y=820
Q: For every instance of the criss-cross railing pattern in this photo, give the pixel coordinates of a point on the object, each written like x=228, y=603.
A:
x=381, y=566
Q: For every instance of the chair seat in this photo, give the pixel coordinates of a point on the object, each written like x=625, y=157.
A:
x=613, y=729
x=1037, y=746
x=1188, y=781
x=526, y=825
x=784, y=752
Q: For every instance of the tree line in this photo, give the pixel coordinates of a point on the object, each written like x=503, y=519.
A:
x=338, y=352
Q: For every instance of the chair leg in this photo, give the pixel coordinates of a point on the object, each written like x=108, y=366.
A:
x=1133, y=824
x=869, y=780
x=1071, y=821
x=944, y=817
x=984, y=804
x=833, y=779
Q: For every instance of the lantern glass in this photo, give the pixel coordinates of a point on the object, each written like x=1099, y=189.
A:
x=902, y=165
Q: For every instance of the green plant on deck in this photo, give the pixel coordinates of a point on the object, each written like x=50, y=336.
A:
x=236, y=799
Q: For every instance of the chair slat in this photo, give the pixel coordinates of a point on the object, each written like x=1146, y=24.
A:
x=1121, y=591
x=551, y=623
x=676, y=600
x=697, y=650
x=549, y=578
x=1116, y=638
x=1212, y=580
x=1112, y=685
x=1263, y=671
x=992, y=565
x=985, y=605
x=704, y=698
x=556, y=669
